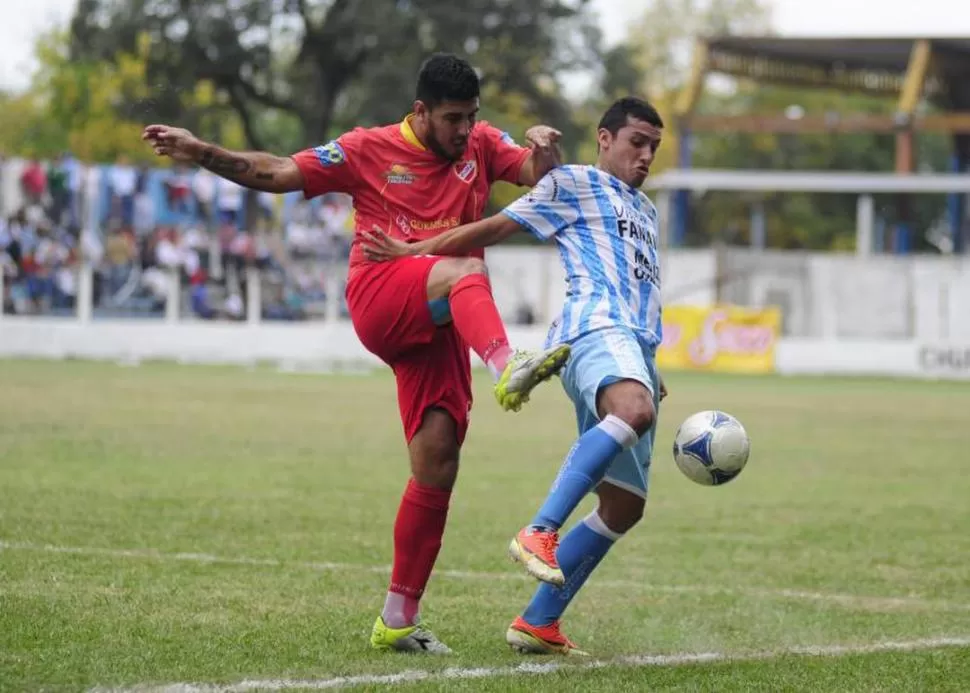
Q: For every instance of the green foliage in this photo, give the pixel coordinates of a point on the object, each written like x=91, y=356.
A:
x=336, y=63
x=282, y=75
x=82, y=106
x=803, y=220
x=661, y=42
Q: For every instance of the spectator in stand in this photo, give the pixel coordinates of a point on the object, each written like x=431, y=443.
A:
x=143, y=220
x=33, y=182
x=123, y=181
x=204, y=189
x=163, y=266
x=58, y=186
x=230, y=201
x=266, y=207
x=177, y=191
x=75, y=180
x=119, y=253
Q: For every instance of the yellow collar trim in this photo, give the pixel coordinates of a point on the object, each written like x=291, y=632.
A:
x=407, y=132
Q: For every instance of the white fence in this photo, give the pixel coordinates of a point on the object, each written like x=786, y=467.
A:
x=334, y=346
x=906, y=316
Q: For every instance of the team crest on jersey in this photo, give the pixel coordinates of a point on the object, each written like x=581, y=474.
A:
x=330, y=154
x=465, y=170
x=399, y=174
x=507, y=139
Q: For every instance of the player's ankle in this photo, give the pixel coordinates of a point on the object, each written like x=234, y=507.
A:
x=498, y=359
x=400, y=611
x=541, y=526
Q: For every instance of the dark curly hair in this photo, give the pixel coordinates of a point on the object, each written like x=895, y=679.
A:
x=627, y=107
x=446, y=77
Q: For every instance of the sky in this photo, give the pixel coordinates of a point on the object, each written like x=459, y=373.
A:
x=23, y=20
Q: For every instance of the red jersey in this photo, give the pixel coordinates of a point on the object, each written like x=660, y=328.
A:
x=404, y=188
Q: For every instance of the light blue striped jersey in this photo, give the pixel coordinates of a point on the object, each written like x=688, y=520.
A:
x=606, y=232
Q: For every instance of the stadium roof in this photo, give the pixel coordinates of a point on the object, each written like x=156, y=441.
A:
x=891, y=54
x=875, y=65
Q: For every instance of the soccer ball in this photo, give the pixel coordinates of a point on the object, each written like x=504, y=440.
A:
x=711, y=447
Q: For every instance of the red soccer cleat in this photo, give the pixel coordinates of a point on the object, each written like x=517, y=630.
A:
x=536, y=550
x=525, y=638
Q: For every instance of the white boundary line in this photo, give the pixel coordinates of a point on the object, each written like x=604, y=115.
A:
x=847, y=600
x=635, y=661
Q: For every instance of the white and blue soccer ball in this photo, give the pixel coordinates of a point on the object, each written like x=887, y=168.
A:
x=711, y=447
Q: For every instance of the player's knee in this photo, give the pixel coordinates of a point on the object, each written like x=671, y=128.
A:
x=621, y=511
x=446, y=273
x=435, y=465
x=637, y=411
x=631, y=402
x=468, y=267
x=434, y=451
x=472, y=265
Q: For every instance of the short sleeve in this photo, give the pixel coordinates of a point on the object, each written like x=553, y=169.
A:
x=550, y=207
x=332, y=167
x=504, y=157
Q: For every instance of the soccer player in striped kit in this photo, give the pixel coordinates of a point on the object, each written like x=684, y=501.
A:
x=606, y=232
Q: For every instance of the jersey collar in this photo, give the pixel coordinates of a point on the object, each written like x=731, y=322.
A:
x=407, y=132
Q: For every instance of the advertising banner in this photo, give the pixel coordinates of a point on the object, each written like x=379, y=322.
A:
x=726, y=339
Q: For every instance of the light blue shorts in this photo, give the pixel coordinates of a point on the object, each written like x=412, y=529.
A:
x=602, y=358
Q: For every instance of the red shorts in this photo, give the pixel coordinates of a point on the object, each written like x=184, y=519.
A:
x=388, y=305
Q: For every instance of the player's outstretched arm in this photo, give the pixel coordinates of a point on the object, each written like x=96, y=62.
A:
x=257, y=170
x=546, y=154
x=380, y=247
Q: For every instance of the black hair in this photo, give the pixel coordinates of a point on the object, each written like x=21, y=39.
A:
x=629, y=107
x=446, y=77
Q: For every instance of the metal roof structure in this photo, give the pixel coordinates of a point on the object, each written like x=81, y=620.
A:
x=873, y=65
x=906, y=69
x=914, y=72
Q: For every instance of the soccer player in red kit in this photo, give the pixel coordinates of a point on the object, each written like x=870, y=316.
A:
x=420, y=315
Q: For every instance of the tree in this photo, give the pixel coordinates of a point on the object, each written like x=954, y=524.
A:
x=85, y=107
x=816, y=221
x=663, y=38
x=70, y=106
x=335, y=63
x=662, y=42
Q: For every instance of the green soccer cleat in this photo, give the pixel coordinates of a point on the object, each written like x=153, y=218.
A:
x=524, y=371
x=408, y=639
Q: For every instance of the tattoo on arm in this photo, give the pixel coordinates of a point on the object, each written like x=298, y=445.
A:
x=240, y=168
x=224, y=164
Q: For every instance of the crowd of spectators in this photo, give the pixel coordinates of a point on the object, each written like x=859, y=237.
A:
x=140, y=227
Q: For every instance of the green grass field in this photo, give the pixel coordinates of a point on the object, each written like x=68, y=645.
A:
x=185, y=525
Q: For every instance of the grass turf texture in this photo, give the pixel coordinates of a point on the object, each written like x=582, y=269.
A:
x=850, y=526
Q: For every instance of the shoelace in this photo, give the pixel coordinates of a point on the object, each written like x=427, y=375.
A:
x=548, y=542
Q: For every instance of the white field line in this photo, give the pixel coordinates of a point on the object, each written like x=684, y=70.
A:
x=847, y=600
x=535, y=669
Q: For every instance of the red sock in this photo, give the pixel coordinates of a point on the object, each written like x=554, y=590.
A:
x=418, y=530
x=477, y=320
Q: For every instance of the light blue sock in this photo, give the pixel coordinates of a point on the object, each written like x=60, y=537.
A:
x=583, y=469
x=580, y=552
